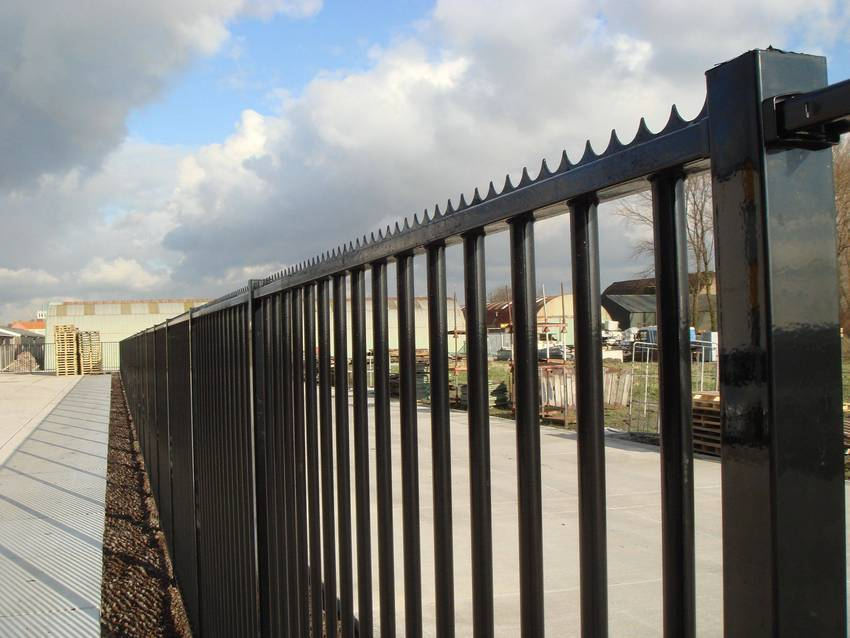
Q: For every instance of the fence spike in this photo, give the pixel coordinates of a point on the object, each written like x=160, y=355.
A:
x=614, y=143
x=565, y=164
x=525, y=180
x=491, y=192
x=674, y=122
x=462, y=204
x=406, y=224
x=643, y=133
x=437, y=212
x=544, y=170
x=449, y=207
x=425, y=218
x=476, y=197
x=589, y=154
x=508, y=187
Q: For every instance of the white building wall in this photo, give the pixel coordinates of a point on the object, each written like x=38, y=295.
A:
x=115, y=320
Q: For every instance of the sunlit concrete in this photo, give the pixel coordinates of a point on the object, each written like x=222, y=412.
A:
x=634, y=532
x=52, y=488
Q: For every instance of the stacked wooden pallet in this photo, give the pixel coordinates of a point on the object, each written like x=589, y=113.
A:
x=91, y=354
x=65, y=338
x=706, y=428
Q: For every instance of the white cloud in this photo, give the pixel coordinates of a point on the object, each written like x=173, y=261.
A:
x=118, y=273
x=71, y=74
x=25, y=277
x=479, y=89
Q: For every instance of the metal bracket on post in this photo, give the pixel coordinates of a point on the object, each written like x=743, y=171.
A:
x=812, y=121
x=778, y=137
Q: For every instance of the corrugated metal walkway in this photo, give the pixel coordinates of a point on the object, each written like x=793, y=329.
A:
x=52, y=492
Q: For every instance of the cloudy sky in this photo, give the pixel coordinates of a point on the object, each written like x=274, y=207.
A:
x=161, y=148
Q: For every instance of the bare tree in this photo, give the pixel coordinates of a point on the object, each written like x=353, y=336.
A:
x=841, y=164
x=499, y=293
x=638, y=211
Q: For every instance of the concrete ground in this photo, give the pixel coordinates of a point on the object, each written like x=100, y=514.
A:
x=53, y=441
x=634, y=532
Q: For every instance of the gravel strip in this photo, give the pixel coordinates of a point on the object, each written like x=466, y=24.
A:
x=139, y=596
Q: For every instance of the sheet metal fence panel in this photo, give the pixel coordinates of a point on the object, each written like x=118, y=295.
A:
x=244, y=451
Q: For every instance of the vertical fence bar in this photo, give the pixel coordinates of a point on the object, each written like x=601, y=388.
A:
x=441, y=439
x=383, y=449
x=235, y=512
x=218, y=451
x=275, y=470
x=233, y=504
x=409, y=448
x=300, y=477
x=590, y=416
x=478, y=414
x=312, y=462
x=784, y=556
x=343, y=468
x=361, y=452
x=294, y=594
x=674, y=369
x=216, y=447
x=196, y=492
x=326, y=443
x=527, y=425
x=243, y=364
x=258, y=334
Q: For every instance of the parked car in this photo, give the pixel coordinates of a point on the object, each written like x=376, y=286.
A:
x=503, y=355
x=555, y=352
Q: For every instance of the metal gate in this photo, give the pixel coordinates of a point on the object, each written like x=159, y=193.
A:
x=254, y=410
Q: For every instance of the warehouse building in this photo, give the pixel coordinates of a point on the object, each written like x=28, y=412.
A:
x=555, y=322
x=113, y=319
x=455, y=321
x=632, y=303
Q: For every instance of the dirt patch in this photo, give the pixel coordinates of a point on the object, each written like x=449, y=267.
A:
x=139, y=595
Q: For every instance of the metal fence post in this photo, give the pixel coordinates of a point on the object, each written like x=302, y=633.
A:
x=780, y=358
x=256, y=385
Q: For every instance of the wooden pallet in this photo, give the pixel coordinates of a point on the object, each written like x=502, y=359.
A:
x=65, y=344
x=706, y=423
x=91, y=356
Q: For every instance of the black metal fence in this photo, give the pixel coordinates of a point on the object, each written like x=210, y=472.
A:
x=237, y=419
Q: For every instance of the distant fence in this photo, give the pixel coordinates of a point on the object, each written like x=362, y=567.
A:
x=644, y=391
x=41, y=357
x=237, y=418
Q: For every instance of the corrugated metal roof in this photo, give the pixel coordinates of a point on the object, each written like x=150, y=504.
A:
x=634, y=303
x=168, y=307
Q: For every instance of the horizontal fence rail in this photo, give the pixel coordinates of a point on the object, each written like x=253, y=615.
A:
x=259, y=459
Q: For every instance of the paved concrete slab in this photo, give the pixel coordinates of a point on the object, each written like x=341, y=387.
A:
x=24, y=401
x=634, y=532
x=52, y=489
